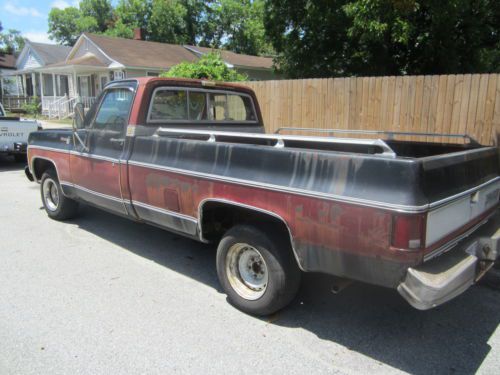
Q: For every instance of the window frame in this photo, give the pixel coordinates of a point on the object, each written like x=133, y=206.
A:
x=210, y=119
x=103, y=94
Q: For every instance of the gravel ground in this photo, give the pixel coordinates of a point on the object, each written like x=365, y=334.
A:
x=103, y=295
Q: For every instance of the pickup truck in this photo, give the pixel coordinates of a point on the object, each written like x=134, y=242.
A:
x=14, y=134
x=192, y=157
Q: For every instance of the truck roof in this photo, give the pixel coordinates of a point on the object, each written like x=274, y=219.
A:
x=202, y=83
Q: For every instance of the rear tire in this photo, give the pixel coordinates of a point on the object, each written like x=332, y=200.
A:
x=258, y=272
x=57, y=206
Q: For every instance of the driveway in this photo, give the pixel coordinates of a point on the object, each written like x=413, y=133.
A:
x=103, y=295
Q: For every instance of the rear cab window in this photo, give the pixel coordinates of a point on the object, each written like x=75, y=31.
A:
x=185, y=105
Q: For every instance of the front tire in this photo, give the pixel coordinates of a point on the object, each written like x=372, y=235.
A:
x=57, y=206
x=258, y=272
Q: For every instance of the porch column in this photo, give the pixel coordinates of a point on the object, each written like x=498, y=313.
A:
x=54, y=85
x=41, y=89
x=24, y=85
x=33, y=83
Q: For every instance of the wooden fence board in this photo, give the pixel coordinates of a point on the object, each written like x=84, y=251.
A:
x=441, y=104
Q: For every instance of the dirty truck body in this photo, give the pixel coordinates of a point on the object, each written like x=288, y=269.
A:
x=193, y=158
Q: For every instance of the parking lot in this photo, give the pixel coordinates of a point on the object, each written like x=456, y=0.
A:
x=103, y=295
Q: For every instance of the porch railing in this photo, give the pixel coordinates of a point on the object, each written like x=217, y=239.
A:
x=16, y=103
x=62, y=107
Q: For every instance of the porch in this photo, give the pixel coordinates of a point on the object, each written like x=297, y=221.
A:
x=57, y=93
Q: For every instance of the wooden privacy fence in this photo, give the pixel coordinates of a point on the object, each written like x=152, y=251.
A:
x=430, y=104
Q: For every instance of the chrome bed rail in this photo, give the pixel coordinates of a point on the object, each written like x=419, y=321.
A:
x=280, y=140
x=390, y=134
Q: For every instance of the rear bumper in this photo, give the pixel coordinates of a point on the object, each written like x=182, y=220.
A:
x=15, y=148
x=445, y=277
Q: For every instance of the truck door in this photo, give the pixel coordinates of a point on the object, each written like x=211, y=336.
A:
x=95, y=164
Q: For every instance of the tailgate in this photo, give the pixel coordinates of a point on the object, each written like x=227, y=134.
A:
x=12, y=131
x=460, y=187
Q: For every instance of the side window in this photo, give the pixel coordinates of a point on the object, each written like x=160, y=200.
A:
x=169, y=105
x=114, y=110
x=230, y=107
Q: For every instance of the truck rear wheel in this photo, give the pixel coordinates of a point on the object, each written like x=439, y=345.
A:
x=259, y=275
x=57, y=206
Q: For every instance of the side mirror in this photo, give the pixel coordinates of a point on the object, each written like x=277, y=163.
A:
x=78, y=120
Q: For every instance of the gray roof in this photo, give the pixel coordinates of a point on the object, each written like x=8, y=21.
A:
x=50, y=53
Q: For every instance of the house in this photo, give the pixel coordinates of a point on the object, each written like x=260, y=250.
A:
x=7, y=65
x=95, y=60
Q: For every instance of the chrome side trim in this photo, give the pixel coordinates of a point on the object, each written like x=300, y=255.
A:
x=93, y=156
x=36, y=147
x=228, y=202
x=165, y=211
x=32, y=165
x=333, y=197
x=101, y=195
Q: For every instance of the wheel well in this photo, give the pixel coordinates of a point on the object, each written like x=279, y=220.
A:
x=40, y=166
x=218, y=217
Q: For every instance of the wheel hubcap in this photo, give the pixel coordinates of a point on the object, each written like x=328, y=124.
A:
x=50, y=194
x=247, y=271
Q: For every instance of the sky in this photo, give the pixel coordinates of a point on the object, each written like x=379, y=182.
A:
x=30, y=16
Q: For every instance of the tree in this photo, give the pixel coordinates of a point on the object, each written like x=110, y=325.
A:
x=239, y=26
x=99, y=10
x=66, y=25
x=319, y=38
x=128, y=15
x=11, y=42
x=167, y=23
x=209, y=66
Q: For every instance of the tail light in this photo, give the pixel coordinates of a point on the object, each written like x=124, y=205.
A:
x=408, y=231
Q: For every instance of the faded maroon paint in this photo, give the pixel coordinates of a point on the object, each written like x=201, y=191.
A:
x=101, y=176
x=60, y=158
x=358, y=230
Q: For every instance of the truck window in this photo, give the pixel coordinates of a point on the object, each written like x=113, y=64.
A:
x=114, y=110
x=169, y=105
x=230, y=107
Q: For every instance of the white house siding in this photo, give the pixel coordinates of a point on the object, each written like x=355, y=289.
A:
x=88, y=47
x=30, y=61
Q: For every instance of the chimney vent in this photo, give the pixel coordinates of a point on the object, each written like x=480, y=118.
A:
x=138, y=34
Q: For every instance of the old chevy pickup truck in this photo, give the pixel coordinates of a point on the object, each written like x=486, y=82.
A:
x=192, y=157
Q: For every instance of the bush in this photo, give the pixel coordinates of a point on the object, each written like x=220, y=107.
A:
x=33, y=107
x=209, y=66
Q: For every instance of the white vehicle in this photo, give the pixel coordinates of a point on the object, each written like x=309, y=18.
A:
x=14, y=133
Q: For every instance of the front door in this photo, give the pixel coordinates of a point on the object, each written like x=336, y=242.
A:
x=95, y=164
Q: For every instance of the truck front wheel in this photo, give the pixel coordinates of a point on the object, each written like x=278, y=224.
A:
x=57, y=206
x=259, y=275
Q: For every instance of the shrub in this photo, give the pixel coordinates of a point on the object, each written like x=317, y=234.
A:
x=209, y=66
x=32, y=107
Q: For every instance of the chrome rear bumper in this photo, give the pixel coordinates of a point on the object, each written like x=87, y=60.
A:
x=445, y=277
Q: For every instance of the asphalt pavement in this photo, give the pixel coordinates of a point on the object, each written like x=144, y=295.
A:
x=103, y=295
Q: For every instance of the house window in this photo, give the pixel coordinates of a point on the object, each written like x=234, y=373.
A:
x=48, y=88
x=152, y=74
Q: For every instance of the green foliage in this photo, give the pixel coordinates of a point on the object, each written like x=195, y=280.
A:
x=209, y=66
x=11, y=41
x=32, y=108
x=233, y=24
x=66, y=25
x=321, y=38
x=167, y=22
x=99, y=10
x=238, y=25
